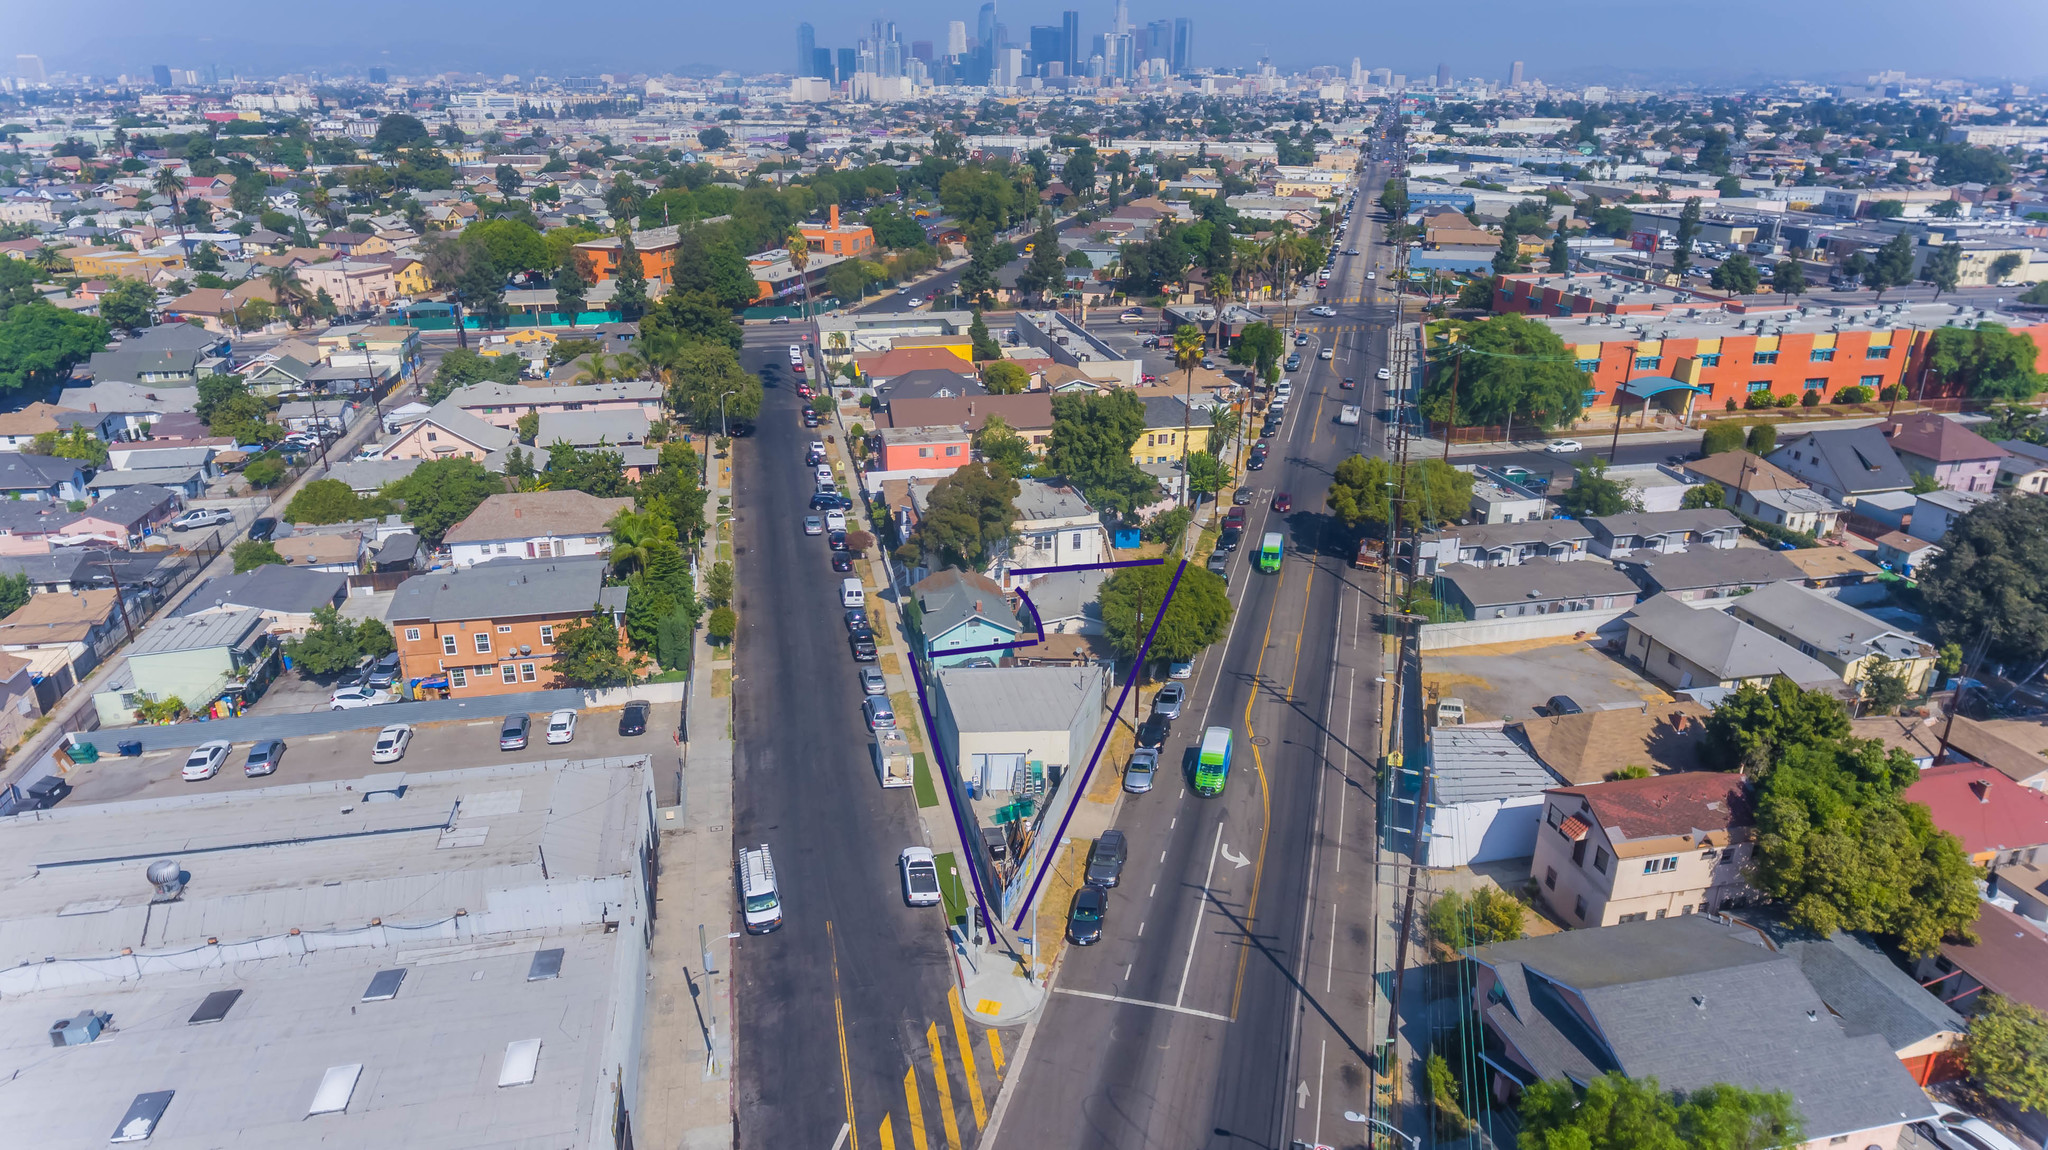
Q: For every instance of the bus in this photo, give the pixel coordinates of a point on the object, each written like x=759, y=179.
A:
x=1212, y=770
x=1270, y=550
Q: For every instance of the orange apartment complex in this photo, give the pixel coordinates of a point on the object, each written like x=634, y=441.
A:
x=1712, y=349
x=856, y=240
x=658, y=247
x=490, y=629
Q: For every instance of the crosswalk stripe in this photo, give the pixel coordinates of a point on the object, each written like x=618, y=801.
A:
x=916, y=1110
x=945, y=1089
x=995, y=1051
x=967, y=1058
x=885, y=1136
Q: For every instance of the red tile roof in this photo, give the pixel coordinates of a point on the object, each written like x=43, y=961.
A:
x=1574, y=828
x=1982, y=807
x=1663, y=805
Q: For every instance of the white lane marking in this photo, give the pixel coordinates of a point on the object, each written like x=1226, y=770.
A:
x=1330, y=964
x=1321, y=1061
x=1350, y=693
x=1235, y=859
x=1141, y=930
x=1195, y=935
x=1153, y=891
x=844, y=1128
x=1127, y=972
x=319, y=738
x=1168, y=1006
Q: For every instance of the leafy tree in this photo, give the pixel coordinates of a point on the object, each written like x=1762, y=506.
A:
x=1510, y=369
x=1616, y=1112
x=13, y=593
x=1893, y=266
x=2008, y=1052
x=969, y=514
x=78, y=444
x=442, y=492
x=1259, y=346
x=1593, y=494
x=672, y=490
x=1005, y=377
x=507, y=178
x=1090, y=445
x=131, y=305
x=1364, y=490
x=250, y=554
x=1705, y=495
x=1991, y=361
x=1441, y=1085
x=1476, y=294
x=334, y=644
x=700, y=373
x=985, y=346
x=687, y=317
x=718, y=585
x=1753, y=726
x=1560, y=251
x=397, y=131
x=1987, y=579
x=599, y=472
x=1169, y=526
x=1487, y=915
x=1000, y=445
x=324, y=501
x=528, y=426
x=1044, y=271
x=1944, y=268
x=571, y=286
x=1788, y=279
x=1884, y=685
x=461, y=367
x=1688, y=231
x=629, y=279
x=721, y=626
x=1719, y=437
x=266, y=470
x=1962, y=164
x=1206, y=473
x=40, y=344
x=713, y=266
x=1198, y=616
x=587, y=655
x=1737, y=275
x=1761, y=438
x=714, y=137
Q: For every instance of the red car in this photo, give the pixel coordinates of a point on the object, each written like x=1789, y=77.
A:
x=1282, y=501
x=1150, y=378
x=804, y=389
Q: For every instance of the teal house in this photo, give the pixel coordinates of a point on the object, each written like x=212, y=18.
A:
x=960, y=610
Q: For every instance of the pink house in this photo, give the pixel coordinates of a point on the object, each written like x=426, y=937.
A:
x=1956, y=457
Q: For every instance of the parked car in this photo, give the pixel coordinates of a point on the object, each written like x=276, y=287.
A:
x=879, y=715
x=1242, y=496
x=1153, y=731
x=561, y=726
x=856, y=618
x=1084, y=915
x=1106, y=860
x=1384, y=373
x=1564, y=447
x=262, y=529
x=836, y=540
x=1139, y=771
x=1563, y=705
x=1169, y=700
x=383, y=674
x=205, y=760
x=920, y=873
x=202, y=517
x=1180, y=670
x=354, y=696
x=391, y=743
x=863, y=646
x=1235, y=517
x=512, y=735
x=1219, y=562
x=1229, y=539
x=872, y=681
x=633, y=720
x=264, y=756
x=1956, y=1130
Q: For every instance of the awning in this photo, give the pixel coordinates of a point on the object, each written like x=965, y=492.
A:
x=1574, y=828
x=1645, y=386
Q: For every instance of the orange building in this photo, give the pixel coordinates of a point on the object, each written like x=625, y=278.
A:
x=490, y=629
x=657, y=248
x=833, y=240
x=944, y=447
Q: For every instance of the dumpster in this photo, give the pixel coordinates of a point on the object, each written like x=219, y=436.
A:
x=130, y=748
x=84, y=753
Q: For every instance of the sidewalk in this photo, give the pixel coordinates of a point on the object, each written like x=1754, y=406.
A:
x=686, y=1054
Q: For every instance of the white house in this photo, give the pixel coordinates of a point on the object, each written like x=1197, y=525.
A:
x=1055, y=528
x=534, y=525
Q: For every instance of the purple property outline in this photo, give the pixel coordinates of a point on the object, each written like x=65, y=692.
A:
x=1088, y=566
x=924, y=707
x=1008, y=646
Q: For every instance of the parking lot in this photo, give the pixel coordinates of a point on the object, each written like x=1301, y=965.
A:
x=1516, y=682
x=346, y=754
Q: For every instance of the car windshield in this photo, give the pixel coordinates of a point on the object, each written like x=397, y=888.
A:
x=199, y=758
x=760, y=903
x=1086, y=914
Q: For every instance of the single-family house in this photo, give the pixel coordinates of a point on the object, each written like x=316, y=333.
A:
x=150, y=455
x=1709, y=573
x=288, y=597
x=1171, y=428
x=1067, y=602
x=1740, y=471
x=65, y=636
x=1635, y=849
x=1998, y=822
x=1535, y=587
x=1843, y=464
x=1691, y=1002
x=2024, y=886
x=1483, y=797
x=339, y=551
x=961, y=614
x=448, y=432
x=41, y=477
x=1847, y=640
x=1871, y=994
x=2013, y=747
x=124, y=518
x=929, y=383
x=369, y=476
x=1503, y=544
x=216, y=664
x=18, y=429
x=920, y=451
x=1692, y=647
x=1798, y=509
x=1934, y=512
x=1903, y=553
x=1938, y=447
x=1055, y=527
x=502, y=404
x=32, y=526
x=2024, y=468
x=2009, y=959
x=1663, y=532
x=1028, y=414
x=188, y=481
x=1592, y=745
x=490, y=629
x=535, y=525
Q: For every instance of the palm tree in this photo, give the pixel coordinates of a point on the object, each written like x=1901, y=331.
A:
x=800, y=257
x=290, y=291
x=1188, y=343
x=632, y=534
x=46, y=259
x=168, y=183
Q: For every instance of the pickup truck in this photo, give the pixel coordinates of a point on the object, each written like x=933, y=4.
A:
x=1371, y=554
x=891, y=752
x=1348, y=415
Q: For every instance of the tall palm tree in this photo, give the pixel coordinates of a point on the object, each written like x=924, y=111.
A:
x=46, y=259
x=799, y=258
x=290, y=291
x=1188, y=343
x=632, y=534
x=167, y=182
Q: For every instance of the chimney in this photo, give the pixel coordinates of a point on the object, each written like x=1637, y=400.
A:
x=1982, y=789
x=834, y=217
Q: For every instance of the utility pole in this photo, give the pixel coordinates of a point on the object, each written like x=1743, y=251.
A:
x=120, y=601
x=1451, y=424
x=1627, y=378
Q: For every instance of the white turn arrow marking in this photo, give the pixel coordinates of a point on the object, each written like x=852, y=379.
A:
x=1301, y=1096
x=1235, y=859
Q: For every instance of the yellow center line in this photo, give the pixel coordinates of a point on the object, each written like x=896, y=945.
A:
x=916, y=1105
x=967, y=1058
x=951, y=1123
x=839, y=1020
x=1265, y=800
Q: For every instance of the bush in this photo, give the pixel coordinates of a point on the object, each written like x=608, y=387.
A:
x=1759, y=400
x=1787, y=400
x=719, y=628
x=1810, y=398
x=1892, y=393
x=1728, y=404
x=265, y=470
x=1762, y=439
x=1854, y=393
x=1720, y=437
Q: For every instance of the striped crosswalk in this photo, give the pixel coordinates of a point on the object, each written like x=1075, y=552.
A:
x=944, y=1088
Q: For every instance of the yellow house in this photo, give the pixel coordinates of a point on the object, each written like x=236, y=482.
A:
x=410, y=276
x=116, y=263
x=1320, y=189
x=1163, y=440
x=959, y=345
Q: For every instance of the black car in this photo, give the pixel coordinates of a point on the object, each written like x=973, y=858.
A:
x=841, y=561
x=863, y=644
x=824, y=502
x=263, y=529
x=1106, y=860
x=1084, y=916
x=1257, y=462
x=1269, y=429
x=633, y=720
x=856, y=618
x=1564, y=705
x=1230, y=539
x=1153, y=731
x=836, y=540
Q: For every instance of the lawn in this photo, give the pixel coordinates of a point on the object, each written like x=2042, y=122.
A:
x=950, y=886
x=921, y=782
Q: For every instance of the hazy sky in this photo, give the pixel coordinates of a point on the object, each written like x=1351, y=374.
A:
x=1566, y=40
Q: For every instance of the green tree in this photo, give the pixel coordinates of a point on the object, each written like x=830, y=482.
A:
x=1944, y=268
x=1459, y=921
x=673, y=491
x=1893, y=265
x=442, y=492
x=40, y=344
x=1761, y=438
x=1737, y=276
x=528, y=427
x=1044, y=271
x=131, y=305
x=985, y=347
x=587, y=654
x=2008, y=1051
x=1206, y=474
x=597, y=472
x=324, y=501
x=13, y=593
x=250, y=554
x=1616, y=1112
x=398, y=131
x=1752, y=727
x=714, y=138
x=1688, y=232
x=1705, y=495
x=1475, y=294
x=1986, y=579
x=721, y=626
x=460, y=367
x=1593, y=494
x=1259, y=346
x=629, y=279
x=1449, y=1118
x=999, y=444
x=330, y=646
x=1198, y=616
x=1788, y=279
x=1560, y=252
x=571, y=286
x=968, y=515
x=1090, y=445
x=700, y=374
x=1364, y=490
x=1005, y=377
x=1509, y=369
x=687, y=317
x=1884, y=685
x=266, y=470
x=78, y=444
x=1719, y=437
x=1990, y=360
x=718, y=585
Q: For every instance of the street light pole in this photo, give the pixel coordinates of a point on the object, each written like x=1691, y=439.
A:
x=1414, y=1142
x=722, y=432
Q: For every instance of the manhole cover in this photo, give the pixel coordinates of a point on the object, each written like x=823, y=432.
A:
x=1261, y=741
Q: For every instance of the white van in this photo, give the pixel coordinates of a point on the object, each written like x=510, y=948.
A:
x=835, y=520
x=824, y=474
x=760, y=902
x=851, y=594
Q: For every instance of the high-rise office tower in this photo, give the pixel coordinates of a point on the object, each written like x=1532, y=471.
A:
x=1048, y=46
x=1070, y=40
x=1183, y=45
x=1443, y=75
x=806, y=48
x=1156, y=43
x=985, y=25
x=380, y=76
x=29, y=68
x=821, y=63
x=921, y=50
x=849, y=63
x=1357, y=72
x=1384, y=77
x=1515, y=75
x=956, y=39
x=161, y=73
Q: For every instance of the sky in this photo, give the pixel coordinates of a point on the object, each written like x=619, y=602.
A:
x=1567, y=41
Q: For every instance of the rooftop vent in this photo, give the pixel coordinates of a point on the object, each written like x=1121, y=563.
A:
x=168, y=878
x=79, y=1030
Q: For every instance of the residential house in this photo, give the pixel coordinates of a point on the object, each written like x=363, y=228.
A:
x=150, y=455
x=64, y=636
x=1483, y=797
x=1171, y=427
x=1055, y=527
x=1711, y=573
x=1068, y=602
x=216, y=664
x=879, y=369
x=1934, y=512
x=1592, y=745
x=1870, y=994
x=1496, y=499
x=1687, y=648
x=960, y=614
x=288, y=597
x=919, y=451
x=1843, y=464
x=353, y=286
x=21, y=703
x=1903, y=553
x=2021, y=888
x=129, y=364
x=535, y=525
x=1919, y=739
x=187, y=481
x=449, y=432
x=32, y=526
x=41, y=477
x=1636, y=849
x=338, y=551
x=1504, y=544
x=1663, y=532
x=355, y=243
x=1029, y=414
x=502, y=404
x=1998, y=822
x=835, y=239
x=1692, y=1002
x=1797, y=509
x=1536, y=587
x=1938, y=447
x=282, y=376
x=1740, y=471
x=490, y=629
x=622, y=433
x=928, y=383
x=2007, y=959
x=367, y=477
x=1845, y=639
x=124, y=518
x=18, y=429
x=2024, y=468
x=2014, y=747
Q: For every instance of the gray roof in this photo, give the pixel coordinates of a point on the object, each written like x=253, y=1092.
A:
x=1018, y=698
x=175, y=337
x=132, y=503
x=34, y=472
x=930, y=382
x=507, y=588
x=1722, y=644
x=1707, y=568
x=369, y=475
x=516, y=396
x=135, y=477
x=1695, y=522
x=1869, y=992
x=951, y=597
x=1538, y=580
x=589, y=428
x=1860, y=458
x=1824, y=622
x=1533, y=531
x=1047, y=499
x=272, y=587
x=197, y=632
x=449, y=415
x=1473, y=764
x=1068, y=595
x=1692, y=1001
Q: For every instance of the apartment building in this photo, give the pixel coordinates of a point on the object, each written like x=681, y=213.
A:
x=490, y=629
x=1636, y=849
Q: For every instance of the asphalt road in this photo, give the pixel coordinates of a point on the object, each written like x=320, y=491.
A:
x=1181, y=1028
x=853, y=979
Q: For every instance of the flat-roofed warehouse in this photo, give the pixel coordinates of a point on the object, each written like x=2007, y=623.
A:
x=447, y=959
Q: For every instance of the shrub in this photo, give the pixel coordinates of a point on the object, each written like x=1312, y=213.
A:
x=1810, y=398
x=1892, y=393
x=1762, y=439
x=719, y=628
x=1787, y=400
x=1720, y=437
x=1759, y=400
x=1854, y=393
x=1728, y=404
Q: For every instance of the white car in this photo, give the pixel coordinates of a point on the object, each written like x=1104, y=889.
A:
x=1564, y=447
x=561, y=726
x=920, y=873
x=354, y=696
x=391, y=743
x=1372, y=275
x=202, y=517
x=1284, y=389
x=205, y=760
x=1383, y=373
x=1956, y=1130
x=1327, y=353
